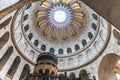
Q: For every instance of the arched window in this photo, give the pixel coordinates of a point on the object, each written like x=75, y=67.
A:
x=25, y=71
x=43, y=47
x=60, y=51
x=52, y=73
x=5, y=57
x=84, y=42
x=84, y=75
x=90, y=35
x=69, y=50
x=51, y=50
x=25, y=17
x=72, y=75
x=47, y=72
x=40, y=71
x=94, y=26
x=14, y=67
x=36, y=42
x=4, y=39
x=5, y=23
x=26, y=28
x=77, y=47
x=94, y=16
x=30, y=36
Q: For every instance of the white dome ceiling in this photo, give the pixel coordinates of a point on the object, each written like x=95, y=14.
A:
x=66, y=28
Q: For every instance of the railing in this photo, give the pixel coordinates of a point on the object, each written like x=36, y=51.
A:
x=52, y=77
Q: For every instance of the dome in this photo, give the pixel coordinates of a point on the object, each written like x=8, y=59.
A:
x=79, y=40
x=65, y=28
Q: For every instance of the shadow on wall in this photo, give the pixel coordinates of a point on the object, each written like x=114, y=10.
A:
x=107, y=66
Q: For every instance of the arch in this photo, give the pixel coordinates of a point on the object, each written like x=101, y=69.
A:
x=77, y=47
x=94, y=26
x=84, y=42
x=90, y=35
x=95, y=16
x=60, y=51
x=72, y=75
x=30, y=36
x=5, y=23
x=32, y=54
x=6, y=56
x=26, y=28
x=106, y=72
x=52, y=50
x=53, y=73
x=61, y=76
x=25, y=17
x=84, y=75
x=43, y=47
x=47, y=72
x=36, y=42
x=40, y=71
x=4, y=39
x=25, y=71
x=14, y=67
x=69, y=50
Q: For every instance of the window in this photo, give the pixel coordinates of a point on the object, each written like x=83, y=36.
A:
x=14, y=67
x=25, y=17
x=25, y=71
x=26, y=28
x=30, y=36
x=84, y=42
x=69, y=50
x=43, y=47
x=5, y=57
x=77, y=47
x=36, y=42
x=94, y=26
x=94, y=16
x=51, y=50
x=90, y=35
x=5, y=23
x=60, y=51
x=4, y=39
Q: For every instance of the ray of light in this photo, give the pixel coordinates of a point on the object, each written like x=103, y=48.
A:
x=75, y=5
x=79, y=15
x=47, y=30
x=46, y=4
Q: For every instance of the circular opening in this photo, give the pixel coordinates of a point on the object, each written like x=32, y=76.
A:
x=59, y=16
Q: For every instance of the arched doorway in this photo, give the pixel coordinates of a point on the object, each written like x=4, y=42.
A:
x=107, y=66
